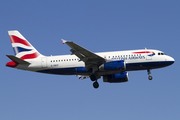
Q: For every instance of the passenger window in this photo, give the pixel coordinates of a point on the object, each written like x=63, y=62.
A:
x=159, y=53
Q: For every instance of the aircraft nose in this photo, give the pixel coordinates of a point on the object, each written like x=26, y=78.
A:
x=171, y=60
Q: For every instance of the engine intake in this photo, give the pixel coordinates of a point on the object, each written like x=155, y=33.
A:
x=116, y=78
x=114, y=65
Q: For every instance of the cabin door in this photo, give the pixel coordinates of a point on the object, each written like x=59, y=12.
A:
x=44, y=62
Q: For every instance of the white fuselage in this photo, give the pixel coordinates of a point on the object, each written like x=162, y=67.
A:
x=71, y=64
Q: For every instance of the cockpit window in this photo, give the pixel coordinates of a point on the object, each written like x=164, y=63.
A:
x=161, y=53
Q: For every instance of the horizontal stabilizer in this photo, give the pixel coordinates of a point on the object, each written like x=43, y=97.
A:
x=17, y=60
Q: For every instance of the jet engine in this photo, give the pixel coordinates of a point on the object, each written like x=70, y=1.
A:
x=116, y=78
x=113, y=65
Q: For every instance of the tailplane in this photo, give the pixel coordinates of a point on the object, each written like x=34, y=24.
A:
x=15, y=61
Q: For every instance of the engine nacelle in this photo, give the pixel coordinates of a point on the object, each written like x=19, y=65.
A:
x=116, y=78
x=114, y=65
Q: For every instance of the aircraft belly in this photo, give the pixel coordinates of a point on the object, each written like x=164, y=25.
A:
x=147, y=65
x=67, y=71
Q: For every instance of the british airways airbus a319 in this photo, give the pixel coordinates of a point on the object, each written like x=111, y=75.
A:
x=112, y=66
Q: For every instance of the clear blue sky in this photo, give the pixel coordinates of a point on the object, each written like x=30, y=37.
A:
x=98, y=25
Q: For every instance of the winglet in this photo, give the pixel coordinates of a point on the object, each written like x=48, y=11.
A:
x=64, y=41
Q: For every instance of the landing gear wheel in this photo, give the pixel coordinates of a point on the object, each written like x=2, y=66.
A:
x=150, y=77
x=149, y=73
x=96, y=84
x=93, y=77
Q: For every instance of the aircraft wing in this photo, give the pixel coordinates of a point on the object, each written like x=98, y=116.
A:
x=90, y=59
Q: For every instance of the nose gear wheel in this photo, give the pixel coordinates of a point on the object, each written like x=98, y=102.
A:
x=149, y=73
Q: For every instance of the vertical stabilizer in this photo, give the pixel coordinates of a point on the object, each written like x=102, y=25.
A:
x=22, y=48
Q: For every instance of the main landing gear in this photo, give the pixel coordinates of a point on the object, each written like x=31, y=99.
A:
x=96, y=84
x=149, y=73
x=94, y=78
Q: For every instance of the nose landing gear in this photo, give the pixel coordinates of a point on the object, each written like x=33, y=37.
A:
x=150, y=77
x=149, y=73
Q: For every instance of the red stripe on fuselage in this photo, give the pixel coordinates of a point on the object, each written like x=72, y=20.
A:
x=15, y=39
x=143, y=52
x=30, y=56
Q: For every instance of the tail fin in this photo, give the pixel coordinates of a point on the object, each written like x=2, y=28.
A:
x=22, y=48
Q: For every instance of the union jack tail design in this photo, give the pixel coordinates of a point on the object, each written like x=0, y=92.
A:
x=22, y=48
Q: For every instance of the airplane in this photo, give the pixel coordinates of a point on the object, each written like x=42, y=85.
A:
x=112, y=66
